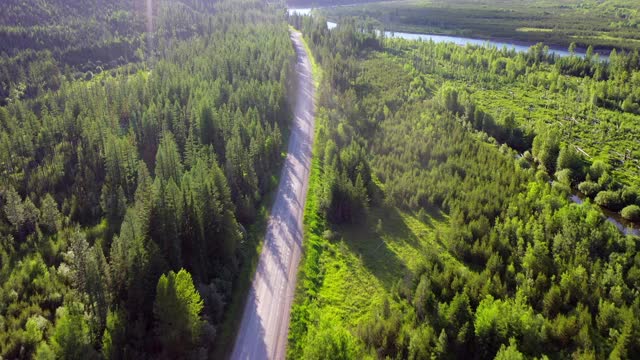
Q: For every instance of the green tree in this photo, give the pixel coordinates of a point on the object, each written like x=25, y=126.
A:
x=331, y=343
x=422, y=343
x=50, y=217
x=13, y=208
x=568, y=158
x=589, y=188
x=113, y=339
x=168, y=163
x=70, y=338
x=631, y=213
x=91, y=277
x=598, y=169
x=44, y=352
x=177, y=311
x=510, y=352
x=545, y=149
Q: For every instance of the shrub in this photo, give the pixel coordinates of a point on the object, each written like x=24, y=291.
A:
x=565, y=176
x=629, y=196
x=589, y=188
x=609, y=199
x=561, y=187
x=542, y=176
x=568, y=158
x=524, y=163
x=631, y=213
x=331, y=342
x=597, y=169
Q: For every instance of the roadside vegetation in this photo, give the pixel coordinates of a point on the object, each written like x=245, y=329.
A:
x=443, y=227
x=603, y=24
x=132, y=200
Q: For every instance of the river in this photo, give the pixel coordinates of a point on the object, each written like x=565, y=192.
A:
x=623, y=225
x=459, y=40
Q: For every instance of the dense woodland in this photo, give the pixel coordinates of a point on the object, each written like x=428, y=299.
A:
x=450, y=135
x=319, y=3
x=138, y=146
x=604, y=24
x=42, y=43
x=125, y=196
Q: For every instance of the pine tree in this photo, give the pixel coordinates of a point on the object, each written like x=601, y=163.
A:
x=177, y=311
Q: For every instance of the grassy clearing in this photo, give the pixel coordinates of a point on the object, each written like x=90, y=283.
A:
x=604, y=36
x=348, y=272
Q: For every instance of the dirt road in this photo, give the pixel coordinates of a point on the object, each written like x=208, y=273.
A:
x=265, y=320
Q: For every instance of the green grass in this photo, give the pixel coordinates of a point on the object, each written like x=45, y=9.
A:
x=531, y=29
x=316, y=70
x=356, y=270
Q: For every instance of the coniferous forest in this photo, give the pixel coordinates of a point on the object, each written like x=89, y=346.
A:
x=464, y=202
x=134, y=163
x=441, y=222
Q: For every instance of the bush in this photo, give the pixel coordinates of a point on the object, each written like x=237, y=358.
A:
x=331, y=342
x=568, y=158
x=631, y=213
x=589, y=188
x=565, y=176
x=597, y=169
x=561, y=187
x=609, y=199
x=542, y=176
x=629, y=196
x=524, y=163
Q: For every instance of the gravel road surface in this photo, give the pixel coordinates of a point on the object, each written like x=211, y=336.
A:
x=265, y=320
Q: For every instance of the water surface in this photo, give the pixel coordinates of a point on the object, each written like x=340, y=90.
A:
x=459, y=40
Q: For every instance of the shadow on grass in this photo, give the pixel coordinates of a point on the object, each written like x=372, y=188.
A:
x=428, y=214
x=365, y=240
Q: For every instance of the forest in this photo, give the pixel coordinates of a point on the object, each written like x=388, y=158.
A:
x=604, y=24
x=439, y=221
x=464, y=201
x=42, y=43
x=135, y=166
x=316, y=3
